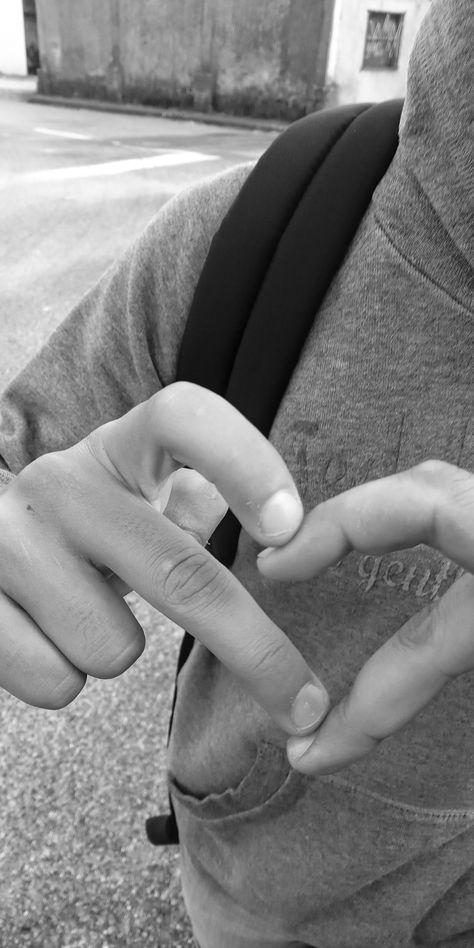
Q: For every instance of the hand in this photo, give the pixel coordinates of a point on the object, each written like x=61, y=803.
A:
x=80, y=527
x=431, y=503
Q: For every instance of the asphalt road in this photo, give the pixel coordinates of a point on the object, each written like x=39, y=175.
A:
x=76, y=785
x=76, y=187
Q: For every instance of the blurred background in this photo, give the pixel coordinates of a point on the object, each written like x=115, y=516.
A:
x=106, y=111
x=267, y=58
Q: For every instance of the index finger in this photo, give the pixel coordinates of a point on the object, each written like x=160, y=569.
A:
x=185, y=424
x=430, y=503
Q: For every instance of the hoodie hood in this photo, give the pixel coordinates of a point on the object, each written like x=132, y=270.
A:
x=437, y=124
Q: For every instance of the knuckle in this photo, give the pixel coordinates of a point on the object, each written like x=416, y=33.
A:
x=172, y=396
x=432, y=470
x=429, y=633
x=451, y=489
x=173, y=391
x=450, y=481
x=39, y=473
x=446, y=479
x=174, y=402
x=191, y=578
x=35, y=489
x=96, y=648
x=268, y=656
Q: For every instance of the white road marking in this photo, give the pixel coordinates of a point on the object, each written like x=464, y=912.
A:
x=120, y=167
x=53, y=131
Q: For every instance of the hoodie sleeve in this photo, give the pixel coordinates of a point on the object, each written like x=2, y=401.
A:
x=120, y=344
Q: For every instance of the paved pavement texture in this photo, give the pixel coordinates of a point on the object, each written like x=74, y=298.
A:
x=76, y=870
x=77, y=186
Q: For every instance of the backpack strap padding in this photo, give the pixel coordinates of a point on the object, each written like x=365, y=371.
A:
x=306, y=259
x=245, y=244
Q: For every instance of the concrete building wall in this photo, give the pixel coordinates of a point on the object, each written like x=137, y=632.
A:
x=12, y=39
x=261, y=57
x=75, y=41
x=273, y=53
x=348, y=79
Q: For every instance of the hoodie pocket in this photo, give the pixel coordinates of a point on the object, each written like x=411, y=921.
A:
x=268, y=778
x=320, y=855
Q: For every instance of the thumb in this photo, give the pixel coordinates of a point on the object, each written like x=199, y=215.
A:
x=195, y=504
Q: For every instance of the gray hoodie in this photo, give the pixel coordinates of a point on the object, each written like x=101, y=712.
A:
x=381, y=854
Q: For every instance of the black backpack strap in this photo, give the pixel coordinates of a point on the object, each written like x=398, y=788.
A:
x=302, y=203
x=244, y=246
x=268, y=269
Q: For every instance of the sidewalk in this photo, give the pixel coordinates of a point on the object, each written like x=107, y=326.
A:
x=17, y=87
x=24, y=87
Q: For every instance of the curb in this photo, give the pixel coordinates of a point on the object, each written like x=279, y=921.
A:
x=14, y=89
x=207, y=118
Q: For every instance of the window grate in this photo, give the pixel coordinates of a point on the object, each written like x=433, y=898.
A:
x=382, y=40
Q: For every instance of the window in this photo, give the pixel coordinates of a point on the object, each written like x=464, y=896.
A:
x=382, y=40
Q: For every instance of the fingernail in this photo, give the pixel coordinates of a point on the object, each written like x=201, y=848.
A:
x=309, y=706
x=281, y=514
x=298, y=747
